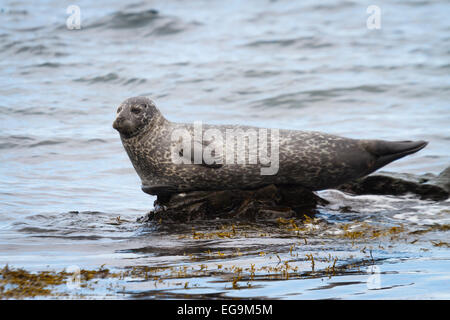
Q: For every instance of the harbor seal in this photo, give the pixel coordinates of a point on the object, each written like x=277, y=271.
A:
x=312, y=160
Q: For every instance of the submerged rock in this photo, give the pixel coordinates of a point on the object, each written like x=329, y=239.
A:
x=427, y=186
x=269, y=202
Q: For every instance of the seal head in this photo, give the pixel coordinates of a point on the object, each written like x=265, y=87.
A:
x=133, y=115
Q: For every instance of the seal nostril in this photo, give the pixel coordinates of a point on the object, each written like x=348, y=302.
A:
x=117, y=123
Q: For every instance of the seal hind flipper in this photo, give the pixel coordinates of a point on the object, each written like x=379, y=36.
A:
x=388, y=151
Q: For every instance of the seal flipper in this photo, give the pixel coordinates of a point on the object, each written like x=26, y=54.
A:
x=216, y=160
x=156, y=190
x=387, y=151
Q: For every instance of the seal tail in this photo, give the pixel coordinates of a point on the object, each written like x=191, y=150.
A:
x=387, y=151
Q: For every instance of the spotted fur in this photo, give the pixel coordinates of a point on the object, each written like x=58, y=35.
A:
x=310, y=159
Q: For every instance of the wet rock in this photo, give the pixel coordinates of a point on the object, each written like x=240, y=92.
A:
x=442, y=180
x=266, y=203
x=427, y=186
x=273, y=202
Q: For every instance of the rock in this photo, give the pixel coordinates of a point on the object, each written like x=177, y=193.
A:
x=442, y=180
x=426, y=186
x=269, y=202
x=273, y=202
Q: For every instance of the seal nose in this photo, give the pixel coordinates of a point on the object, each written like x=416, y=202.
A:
x=123, y=125
x=116, y=123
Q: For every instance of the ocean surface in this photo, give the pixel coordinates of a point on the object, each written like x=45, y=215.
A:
x=65, y=178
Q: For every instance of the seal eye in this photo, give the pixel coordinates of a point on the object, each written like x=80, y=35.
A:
x=119, y=110
x=136, y=110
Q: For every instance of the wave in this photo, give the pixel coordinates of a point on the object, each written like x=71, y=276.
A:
x=333, y=6
x=18, y=142
x=14, y=12
x=47, y=65
x=127, y=20
x=298, y=99
x=111, y=77
x=301, y=42
x=159, y=25
x=38, y=49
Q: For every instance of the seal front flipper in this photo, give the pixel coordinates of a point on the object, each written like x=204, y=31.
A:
x=211, y=153
x=387, y=151
x=157, y=190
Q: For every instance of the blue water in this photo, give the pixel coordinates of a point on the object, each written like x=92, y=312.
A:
x=285, y=64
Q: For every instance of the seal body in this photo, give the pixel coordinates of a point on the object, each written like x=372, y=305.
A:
x=312, y=160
